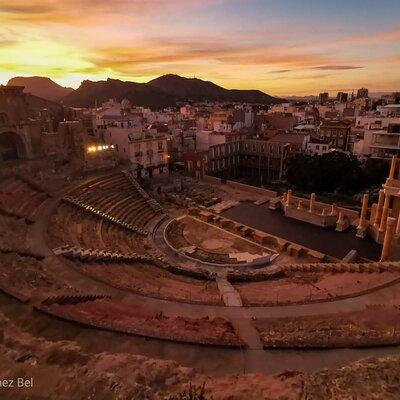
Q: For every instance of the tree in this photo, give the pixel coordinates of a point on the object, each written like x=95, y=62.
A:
x=376, y=171
x=333, y=171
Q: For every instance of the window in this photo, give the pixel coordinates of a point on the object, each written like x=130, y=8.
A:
x=317, y=147
x=160, y=146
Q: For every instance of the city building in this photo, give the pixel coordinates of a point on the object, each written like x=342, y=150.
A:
x=148, y=155
x=342, y=97
x=323, y=97
x=317, y=147
x=258, y=160
x=362, y=93
x=334, y=131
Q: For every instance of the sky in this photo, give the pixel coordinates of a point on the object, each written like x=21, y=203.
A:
x=283, y=47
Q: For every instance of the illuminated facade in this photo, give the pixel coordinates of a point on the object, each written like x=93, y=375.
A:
x=148, y=155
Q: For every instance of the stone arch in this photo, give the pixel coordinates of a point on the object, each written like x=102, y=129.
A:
x=12, y=146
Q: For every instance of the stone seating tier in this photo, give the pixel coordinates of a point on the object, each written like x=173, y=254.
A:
x=20, y=198
x=88, y=255
x=92, y=210
x=115, y=196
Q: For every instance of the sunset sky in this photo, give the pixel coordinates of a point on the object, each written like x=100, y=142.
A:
x=283, y=47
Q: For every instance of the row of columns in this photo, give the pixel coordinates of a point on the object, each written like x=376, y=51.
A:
x=287, y=199
x=382, y=212
x=387, y=224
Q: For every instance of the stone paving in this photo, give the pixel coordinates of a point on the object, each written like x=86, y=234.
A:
x=325, y=240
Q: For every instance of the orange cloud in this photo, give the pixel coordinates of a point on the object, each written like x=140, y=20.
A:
x=393, y=58
x=337, y=67
x=75, y=12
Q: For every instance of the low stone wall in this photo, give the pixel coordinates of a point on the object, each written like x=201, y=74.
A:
x=261, y=261
x=25, y=167
x=73, y=299
x=123, y=319
x=22, y=253
x=269, y=273
x=212, y=179
x=318, y=206
x=33, y=184
x=15, y=294
x=271, y=242
x=311, y=218
x=241, y=186
x=344, y=267
x=374, y=326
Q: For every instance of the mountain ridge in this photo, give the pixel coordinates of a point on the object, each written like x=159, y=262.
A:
x=41, y=86
x=198, y=89
x=163, y=91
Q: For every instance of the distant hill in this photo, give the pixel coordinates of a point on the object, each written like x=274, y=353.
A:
x=160, y=92
x=41, y=86
x=139, y=94
x=197, y=90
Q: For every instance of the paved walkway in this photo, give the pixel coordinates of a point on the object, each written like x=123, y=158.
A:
x=229, y=294
x=324, y=240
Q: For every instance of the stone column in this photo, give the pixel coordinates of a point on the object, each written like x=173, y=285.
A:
x=363, y=213
x=299, y=205
x=385, y=212
x=392, y=167
x=289, y=197
x=341, y=218
x=398, y=172
x=312, y=202
x=333, y=209
x=398, y=225
x=378, y=211
x=387, y=241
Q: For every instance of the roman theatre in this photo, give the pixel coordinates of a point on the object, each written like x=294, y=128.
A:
x=217, y=276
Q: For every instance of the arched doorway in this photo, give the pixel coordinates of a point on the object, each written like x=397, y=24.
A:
x=11, y=146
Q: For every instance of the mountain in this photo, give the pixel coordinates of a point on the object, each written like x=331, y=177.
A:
x=197, y=90
x=161, y=92
x=139, y=94
x=41, y=86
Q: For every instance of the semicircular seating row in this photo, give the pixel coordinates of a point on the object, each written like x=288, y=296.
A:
x=19, y=198
x=114, y=198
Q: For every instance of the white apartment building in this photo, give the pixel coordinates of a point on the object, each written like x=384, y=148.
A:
x=118, y=134
x=379, y=143
x=390, y=110
x=148, y=155
x=205, y=139
x=317, y=147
